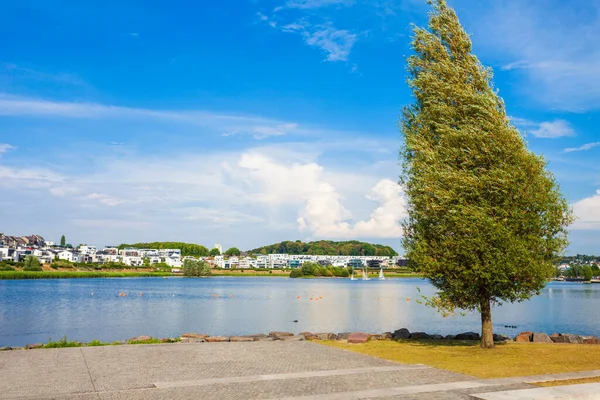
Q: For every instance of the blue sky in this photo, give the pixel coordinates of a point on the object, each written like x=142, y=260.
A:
x=249, y=122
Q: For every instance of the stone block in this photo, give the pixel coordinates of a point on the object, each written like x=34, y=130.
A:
x=213, y=339
x=279, y=335
x=556, y=338
x=292, y=338
x=419, y=335
x=192, y=335
x=537, y=337
x=401, y=334
x=566, y=338
x=326, y=336
x=241, y=339
x=358, y=337
x=467, y=336
x=591, y=340
x=523, y=337
x=343, y=335
x=191, y=340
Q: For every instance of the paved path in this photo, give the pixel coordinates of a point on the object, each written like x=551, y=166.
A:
x=257, y=370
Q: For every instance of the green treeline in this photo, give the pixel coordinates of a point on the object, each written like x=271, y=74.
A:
x=187, y=249
x=327, y=247
x=75, y=274
x=310, y=269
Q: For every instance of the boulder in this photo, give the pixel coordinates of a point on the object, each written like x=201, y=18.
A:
x=467, y=336
x=191, y=335
x=213, y=339
x=241, y=339
x=537, y=337
x=292, y=338
x=279, y=335
x=523, y=337
x=401, y=334
x=34, y=346
x=386, y=335
x=343, y=335
x=8, y=348
x=358, y=337
x=191, y=340
x=450, y=337
x=556, y=338
x=306, y=334
x=566, y=338
x=501, y=338
x=142, y=338
x=258, y=337
x=437, y=337
x=419, y=335
x=326, y=336
x=591, y=340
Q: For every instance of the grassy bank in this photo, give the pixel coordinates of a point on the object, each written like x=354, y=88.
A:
x=75, y=274
x=506, y=360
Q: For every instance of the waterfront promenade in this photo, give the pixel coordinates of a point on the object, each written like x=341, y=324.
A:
x=256, y=370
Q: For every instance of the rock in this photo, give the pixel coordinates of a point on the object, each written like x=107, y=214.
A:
x=279, y=335
x=326, y=336
x=241, y=339
x=450, y=337
x=213, y=339
x=194, y=341
x=523, y=337
x=8, y=348
x=537, y=337
x=34, y=346
x=566, y=338
x=437, y=337
x=358, y=337
x=386, y=336
x=258, y=336
x=141, y=338
x=501, y=338
x=419, y=335
x=377, y=337
x=292, y=338
x=306, y=334
x=343, y=335
x=194, y=336
x=401, y=334
x=467, y=336
x=591, y=340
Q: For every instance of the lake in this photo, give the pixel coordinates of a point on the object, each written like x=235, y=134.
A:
x=32, y=311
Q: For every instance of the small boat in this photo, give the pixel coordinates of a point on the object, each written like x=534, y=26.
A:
x=366, y=275
x=381, y=277
x=352, y=278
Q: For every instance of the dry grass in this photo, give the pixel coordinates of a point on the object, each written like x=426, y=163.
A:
x=506, y=360
x=595, y=379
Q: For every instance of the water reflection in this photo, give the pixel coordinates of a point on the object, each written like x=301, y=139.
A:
x=33, y=311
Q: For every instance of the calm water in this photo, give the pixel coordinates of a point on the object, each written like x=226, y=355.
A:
x=35, y=310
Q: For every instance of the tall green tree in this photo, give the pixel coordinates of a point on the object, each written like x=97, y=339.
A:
x=196, y=268
x=486, y=219
x=233, y=251
x=587, y=273
x=214, y=252
x=63, y=241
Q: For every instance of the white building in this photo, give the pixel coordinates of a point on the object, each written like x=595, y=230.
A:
x=247, y=262
x=69, y=255
x=87, y=250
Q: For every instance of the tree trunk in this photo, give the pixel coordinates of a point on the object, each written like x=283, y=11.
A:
x=487, y=334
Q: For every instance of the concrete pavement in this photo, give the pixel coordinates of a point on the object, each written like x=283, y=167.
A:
x=255, y=370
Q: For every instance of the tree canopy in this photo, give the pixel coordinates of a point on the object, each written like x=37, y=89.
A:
x=187, y=249
x=63, y=240
x=32, y=264
x=326, y=247
x=233, y=251
x=486, y=219
x=196, y=268
x=214, y=252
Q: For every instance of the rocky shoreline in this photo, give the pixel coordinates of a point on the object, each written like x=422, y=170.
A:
x=350, y=337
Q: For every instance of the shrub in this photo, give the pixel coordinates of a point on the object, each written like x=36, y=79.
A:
x=296, y=273
x=196, y=268
x=32, y=264
x=61, y=343
x=5, y=267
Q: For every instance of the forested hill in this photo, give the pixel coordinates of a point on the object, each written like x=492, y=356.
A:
x=327, y=247
x=187, y=249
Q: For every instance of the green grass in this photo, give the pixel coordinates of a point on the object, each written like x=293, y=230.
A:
x=61, y=343
x=75, y=274
x=505, y=360
x=149, y=341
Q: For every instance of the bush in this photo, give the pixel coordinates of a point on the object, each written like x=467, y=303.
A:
x=196, y=268
x=32, y=264
x=5, y=267
x=296, y=273
x=61, y=343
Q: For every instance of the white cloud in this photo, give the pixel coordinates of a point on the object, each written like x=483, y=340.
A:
x=258, y=127
x=5, y=147
x=336, y=43
x=555, y=129
x=317, y=3
x=585, y=147
x=588, y=213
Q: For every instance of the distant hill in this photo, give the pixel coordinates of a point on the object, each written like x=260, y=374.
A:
x=187, y=249
x=327, y=247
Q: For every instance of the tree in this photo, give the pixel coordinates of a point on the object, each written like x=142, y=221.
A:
x=486, y=219
x=233, y=251
x=595, y=270
x=214, y=252
x=587, y=273
x=196, y=268
x=63, y=241
x=32, y=264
